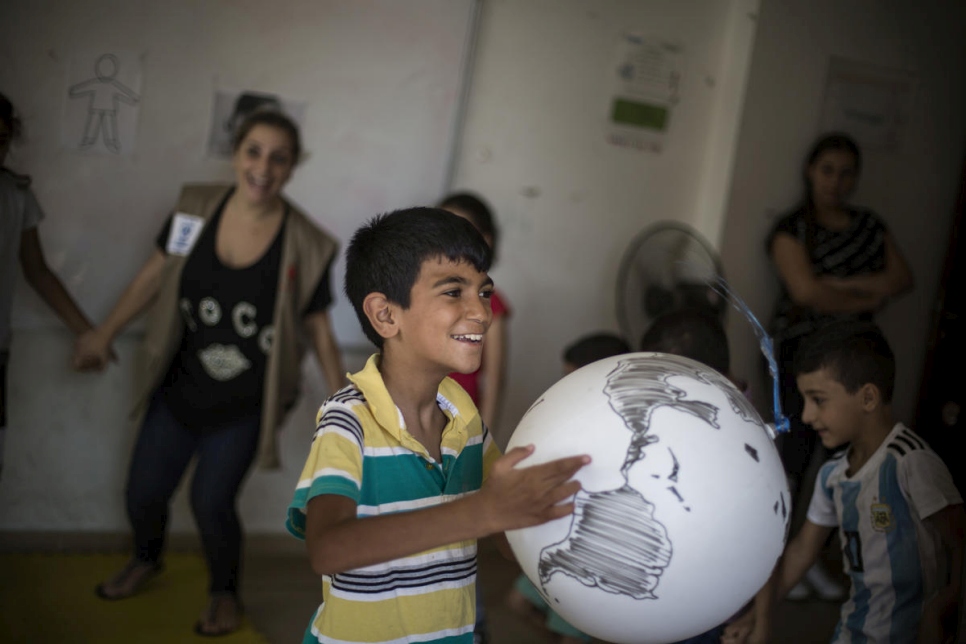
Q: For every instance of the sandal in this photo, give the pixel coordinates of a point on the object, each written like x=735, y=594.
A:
x=131, y=580
x=216, y=604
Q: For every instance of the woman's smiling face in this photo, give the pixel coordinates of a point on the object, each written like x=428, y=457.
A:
x=263, y=163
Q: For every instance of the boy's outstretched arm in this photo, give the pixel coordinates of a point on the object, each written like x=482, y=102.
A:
x=510, y=498
x=940, y=611
x=799, y=555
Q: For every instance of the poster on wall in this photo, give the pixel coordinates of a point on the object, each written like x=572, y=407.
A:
x=229, y=109
x=870, y=102
x=102, y=102
x=646, y=87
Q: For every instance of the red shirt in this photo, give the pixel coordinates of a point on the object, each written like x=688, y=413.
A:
x=471, y=381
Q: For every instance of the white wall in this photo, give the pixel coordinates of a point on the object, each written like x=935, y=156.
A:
x=914, y=190
x=568, y=202
x=381, y=80
x=533, y=144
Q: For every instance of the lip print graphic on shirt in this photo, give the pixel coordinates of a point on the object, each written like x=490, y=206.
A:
x=223, y=362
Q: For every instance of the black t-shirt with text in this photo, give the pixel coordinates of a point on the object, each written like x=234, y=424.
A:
x=218, y=374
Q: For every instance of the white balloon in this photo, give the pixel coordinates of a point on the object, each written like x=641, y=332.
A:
x=684, y=508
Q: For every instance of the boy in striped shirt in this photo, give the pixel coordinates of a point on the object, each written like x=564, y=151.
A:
x=900, y=517
x=403, y=477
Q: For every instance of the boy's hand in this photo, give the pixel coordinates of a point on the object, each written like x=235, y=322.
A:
x=516, y=498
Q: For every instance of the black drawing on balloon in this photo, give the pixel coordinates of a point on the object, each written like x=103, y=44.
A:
x=615, y=542
x=780, y=503
x=638, y=547
x=752, y=452
x=675, y=468
x=533, y=406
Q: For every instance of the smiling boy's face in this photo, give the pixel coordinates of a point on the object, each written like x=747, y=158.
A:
x=834, y=413
x=448, y=316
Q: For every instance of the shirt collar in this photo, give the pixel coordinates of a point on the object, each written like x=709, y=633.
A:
x=451, y=398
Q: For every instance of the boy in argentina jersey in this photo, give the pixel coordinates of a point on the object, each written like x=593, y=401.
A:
x=900, y=517
x=403, y=477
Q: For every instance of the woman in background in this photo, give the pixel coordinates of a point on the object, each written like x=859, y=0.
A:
x=238, y=276
x=834, y=260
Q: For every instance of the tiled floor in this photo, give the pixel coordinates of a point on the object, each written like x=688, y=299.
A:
x=281, y=593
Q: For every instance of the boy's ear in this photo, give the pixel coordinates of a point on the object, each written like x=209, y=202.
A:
x=381, y=314
x=870, y=397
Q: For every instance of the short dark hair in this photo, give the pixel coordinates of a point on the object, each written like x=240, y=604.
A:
x=593, y=347
x=387, y=253
x=690, y=333
x=854, y=353
x=474, y=207
x=272, y=118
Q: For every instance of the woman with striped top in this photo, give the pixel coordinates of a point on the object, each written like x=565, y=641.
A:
x=834, y=261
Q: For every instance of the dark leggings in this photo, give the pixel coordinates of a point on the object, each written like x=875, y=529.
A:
x=164, y=448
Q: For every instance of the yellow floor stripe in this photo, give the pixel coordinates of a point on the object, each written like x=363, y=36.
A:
x=50, y=598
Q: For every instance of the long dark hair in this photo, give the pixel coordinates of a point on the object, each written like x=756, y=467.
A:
x=839, y=141
x=9, y=116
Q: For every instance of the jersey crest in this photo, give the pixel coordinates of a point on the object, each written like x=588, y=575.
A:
x=882, y=519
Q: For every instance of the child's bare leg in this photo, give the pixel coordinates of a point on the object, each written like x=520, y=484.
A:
x=521, y=605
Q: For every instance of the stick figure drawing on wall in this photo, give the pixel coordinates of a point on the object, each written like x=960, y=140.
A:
x=104, y=92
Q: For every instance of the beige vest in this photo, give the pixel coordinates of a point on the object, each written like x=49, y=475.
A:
x=306, y=252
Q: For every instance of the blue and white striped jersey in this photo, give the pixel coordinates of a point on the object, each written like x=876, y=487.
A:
x=892, y=557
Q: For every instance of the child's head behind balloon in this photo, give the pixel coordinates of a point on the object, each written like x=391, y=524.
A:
x=692, y=334
x=591, y=348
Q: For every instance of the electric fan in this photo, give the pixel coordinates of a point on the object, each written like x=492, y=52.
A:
x=667, y=267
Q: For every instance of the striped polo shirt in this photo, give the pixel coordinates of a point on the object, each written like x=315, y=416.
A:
x=362, y=450
x=891, y=555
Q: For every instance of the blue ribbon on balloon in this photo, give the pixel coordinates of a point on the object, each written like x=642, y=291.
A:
x=720, y=286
